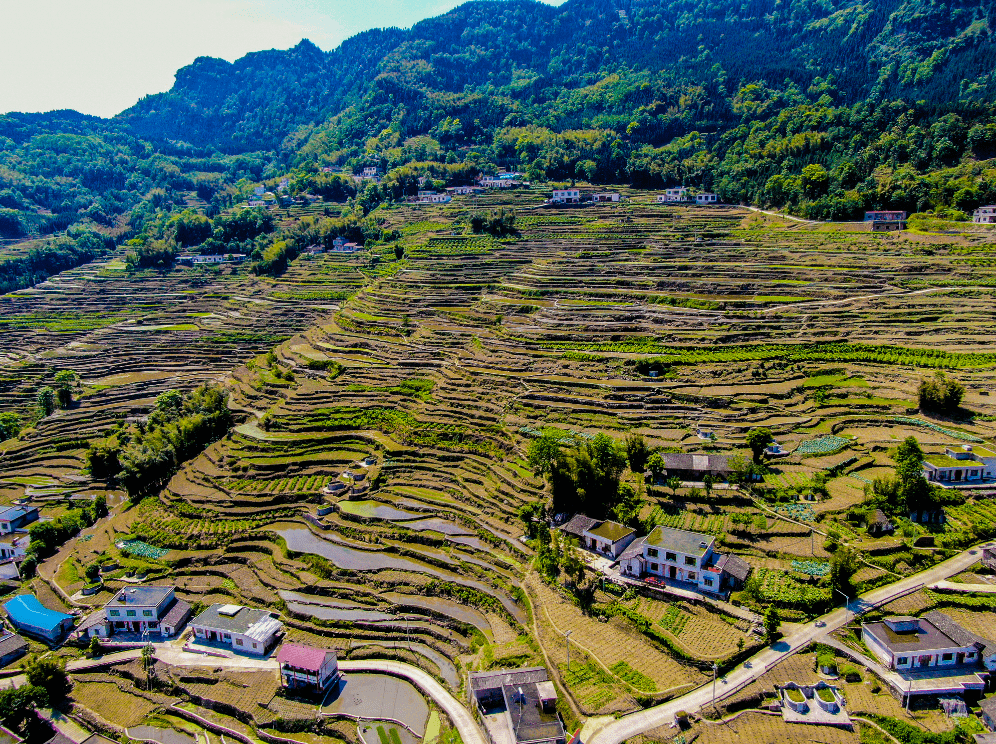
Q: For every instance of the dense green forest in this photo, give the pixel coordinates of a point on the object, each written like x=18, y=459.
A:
x=824, y=107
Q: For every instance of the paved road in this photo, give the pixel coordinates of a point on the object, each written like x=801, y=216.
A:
x=663, y=715
x=462, y=718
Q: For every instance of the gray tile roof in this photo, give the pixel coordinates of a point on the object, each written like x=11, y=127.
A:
x=924, y=638
x=957, y=633
x=577, y=524
x=734, y=565
x=12, y=643
x=700, y=463
x=635, y=548
x=502, y=677
x=681, y=541
x=988, y=706
x=179, y=612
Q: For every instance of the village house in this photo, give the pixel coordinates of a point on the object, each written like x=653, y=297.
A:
x=609, y=196
x=341, y=245
x=879, y=524
x=307, y=668
x=370, y=171
x=463, y=190
x=12, y=647
x=284, y=184
x=989, y=558
x=500, y=181
x=935, y=640
x=691, y=467
x=33, y=618
x=969, y=464
x=886, y=220
x=245, y=629
x=520, y=706
x=140, y=609
x=604, y=537
x=14, y=546
x=566, y=196
x=987, y=712
x=686, y=557
x=705, y=198
x=985, y=215
x=431, y=197
x=673, y=195
x=15, y=517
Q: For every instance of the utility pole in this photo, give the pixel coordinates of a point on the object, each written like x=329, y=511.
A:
x=567, y=639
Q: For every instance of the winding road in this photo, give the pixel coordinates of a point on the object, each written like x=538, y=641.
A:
x=628, y=726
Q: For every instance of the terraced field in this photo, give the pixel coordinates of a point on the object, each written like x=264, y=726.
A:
x=437, y=368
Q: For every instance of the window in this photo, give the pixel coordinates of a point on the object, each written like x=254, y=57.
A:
x=671, y=557
x=227, y=636
x=708, y=582
x=131, y=613
x=238, y=641
x=254, y=645
x=901, y=661
x=689, y=560
x=947, y=657
x=115, y=613
x=653, y=566
x=147, y=613
x=691, y=576
x=652, y=552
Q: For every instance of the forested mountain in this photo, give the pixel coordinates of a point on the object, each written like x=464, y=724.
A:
x=825, y=107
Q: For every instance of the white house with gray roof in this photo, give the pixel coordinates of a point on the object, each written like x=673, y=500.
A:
x=685, y=557
x=604, y=537
x=141, y=609
x=245, y=629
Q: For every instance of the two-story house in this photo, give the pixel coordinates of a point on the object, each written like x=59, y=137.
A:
x=971, y=463
x=141, y=609
x=985, y=215
x=886, y=220
x=566, y=196
x=683, y=556
x=307, y=667
x=673, y=195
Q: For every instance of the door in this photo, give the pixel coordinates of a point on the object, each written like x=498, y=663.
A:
x=672, y=572
x=961, y=657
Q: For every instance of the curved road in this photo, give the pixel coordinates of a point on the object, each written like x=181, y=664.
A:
x=628, y=726
x=462, y=719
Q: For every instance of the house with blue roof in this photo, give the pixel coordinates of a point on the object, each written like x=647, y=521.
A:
x=33, y=618
x=17, y=517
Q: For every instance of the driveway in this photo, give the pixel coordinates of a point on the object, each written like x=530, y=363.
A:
x=628, y=726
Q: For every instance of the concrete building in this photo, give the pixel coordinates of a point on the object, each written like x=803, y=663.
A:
x=245, y=629
x=706, y=198
x=566, y=196
x=14, y=546
x=141, y=609
x=969, y=464
x=906, y=643
x=463, y=190
x=32, y=618
x=17, y=517
x=886, y=220
x=985, y=215
x=307, y=668
x=685, y=557
x=608, y=196
x=518, y=705
x=431, y=197
x=671, y=196
x=608, y=538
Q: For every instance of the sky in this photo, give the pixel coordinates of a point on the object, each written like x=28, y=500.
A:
x=100, y=56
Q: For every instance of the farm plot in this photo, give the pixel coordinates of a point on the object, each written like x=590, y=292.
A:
x=700, y=633
x=610, y=643
x=112, y=703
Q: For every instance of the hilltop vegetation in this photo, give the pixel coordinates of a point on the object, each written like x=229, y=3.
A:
x=824, y=108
